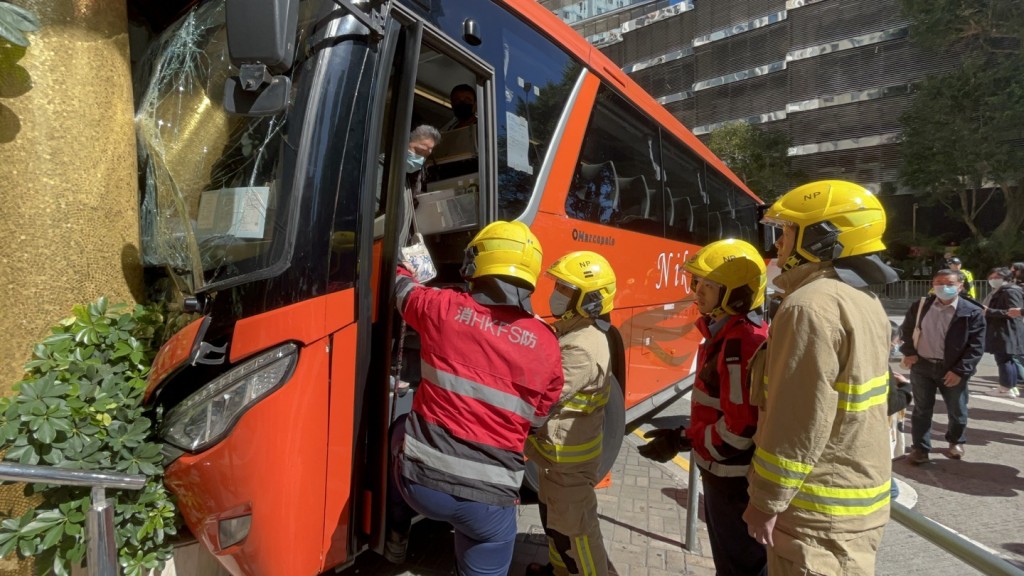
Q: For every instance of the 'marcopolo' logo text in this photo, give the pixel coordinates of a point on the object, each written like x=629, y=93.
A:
x=581, y=236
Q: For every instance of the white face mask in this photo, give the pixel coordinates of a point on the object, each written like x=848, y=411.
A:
x=559, y=303
x=413, y=162
x=995, y=282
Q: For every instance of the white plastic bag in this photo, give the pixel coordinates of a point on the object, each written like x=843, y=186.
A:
x=417, y=259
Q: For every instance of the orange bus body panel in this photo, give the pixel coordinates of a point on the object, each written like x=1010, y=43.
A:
x=175, y=352
x=338, y=511
x=273, y=464
x=302, y=322
x=566, y=157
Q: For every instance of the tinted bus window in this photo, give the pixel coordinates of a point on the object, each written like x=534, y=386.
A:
x=533, y=79
x=618, y=180
x=725, y=217
x=684, y=197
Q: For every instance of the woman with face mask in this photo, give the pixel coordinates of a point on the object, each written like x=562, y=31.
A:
x=422, y=141
x=1004, y=334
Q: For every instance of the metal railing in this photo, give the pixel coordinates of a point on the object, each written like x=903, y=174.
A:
x=101, y=551
x=914, y=289
x=967, y=551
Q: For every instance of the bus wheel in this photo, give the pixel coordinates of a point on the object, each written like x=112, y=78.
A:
x=614, y=432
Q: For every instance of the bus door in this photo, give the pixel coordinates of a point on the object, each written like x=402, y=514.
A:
x=451, y=200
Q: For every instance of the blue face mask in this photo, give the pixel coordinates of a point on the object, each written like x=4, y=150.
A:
x=947, y=292
x=413, y=162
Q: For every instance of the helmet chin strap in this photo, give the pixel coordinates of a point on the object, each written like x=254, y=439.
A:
x=793, y=261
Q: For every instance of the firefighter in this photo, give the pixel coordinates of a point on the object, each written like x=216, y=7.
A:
x=491, y=371
x=567, y=448
x=729, y=280
x=820, y=475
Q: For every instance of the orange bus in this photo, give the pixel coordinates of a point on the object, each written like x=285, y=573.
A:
x=273, y=137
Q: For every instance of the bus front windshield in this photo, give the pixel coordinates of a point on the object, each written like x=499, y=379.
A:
x=214, y=202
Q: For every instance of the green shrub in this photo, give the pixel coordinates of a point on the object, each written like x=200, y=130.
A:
x=79, y=406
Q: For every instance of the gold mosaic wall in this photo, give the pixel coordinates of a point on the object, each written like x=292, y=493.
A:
x=68, y=199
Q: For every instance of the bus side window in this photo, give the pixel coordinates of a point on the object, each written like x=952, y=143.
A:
x=619, y=180
x=684, y=192
x=594, y=193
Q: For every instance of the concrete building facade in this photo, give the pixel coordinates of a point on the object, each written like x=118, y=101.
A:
x=833, y=74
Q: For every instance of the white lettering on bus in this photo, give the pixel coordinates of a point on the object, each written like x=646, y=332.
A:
x=516, y=335
x=671, y=272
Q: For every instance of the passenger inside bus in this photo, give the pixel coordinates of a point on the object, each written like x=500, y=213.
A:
x=463, y=103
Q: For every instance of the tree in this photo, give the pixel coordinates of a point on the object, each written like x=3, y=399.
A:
x=958, y=140
x=760, y=157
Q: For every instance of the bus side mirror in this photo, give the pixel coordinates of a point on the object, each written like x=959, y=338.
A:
x=261, y=42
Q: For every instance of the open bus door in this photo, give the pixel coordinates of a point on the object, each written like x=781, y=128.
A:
x=275, y=403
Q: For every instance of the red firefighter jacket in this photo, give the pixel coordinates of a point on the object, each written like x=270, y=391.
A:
x=489, y=375
x=722, y=419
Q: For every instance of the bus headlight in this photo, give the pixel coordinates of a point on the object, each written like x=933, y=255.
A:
x=206, y=416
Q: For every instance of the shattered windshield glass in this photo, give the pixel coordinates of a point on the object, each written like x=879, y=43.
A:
x=213, y=208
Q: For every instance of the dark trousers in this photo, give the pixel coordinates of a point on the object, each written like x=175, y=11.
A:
x=485, y=534
x=734, y=551
x=926, y=379
x=1007, y=369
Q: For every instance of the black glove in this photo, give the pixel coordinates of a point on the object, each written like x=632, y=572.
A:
x=665, y=443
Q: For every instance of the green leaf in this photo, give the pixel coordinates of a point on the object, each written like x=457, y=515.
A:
x=10, y=33
x=53, y=535
x=57, y=339
x=44, y=431
x=42, y=522
x=8, y=542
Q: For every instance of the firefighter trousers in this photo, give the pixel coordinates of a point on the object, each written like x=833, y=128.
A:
x=734, y=551
x=842, y=554
x=568, y=512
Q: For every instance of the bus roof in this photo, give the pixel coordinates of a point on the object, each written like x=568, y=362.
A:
x=562, y=34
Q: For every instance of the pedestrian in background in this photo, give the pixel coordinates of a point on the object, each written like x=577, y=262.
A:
x=966, y=277
x=729, y=280
x=567, y=448
x=820, y=475
x=1004, y=335
x=943, y=340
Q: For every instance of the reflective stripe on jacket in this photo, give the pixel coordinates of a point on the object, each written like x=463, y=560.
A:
x=489, y=374
x=722, y=419
x=573, y=432
x=822, y=460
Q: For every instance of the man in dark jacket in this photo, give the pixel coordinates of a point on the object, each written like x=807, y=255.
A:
x=943, y=339
x=1004, y=335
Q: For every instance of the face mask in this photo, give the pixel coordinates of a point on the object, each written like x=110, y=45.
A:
x=462, y=110
x=947, y=292
x=559, y=304
x=996, y=283
x=413, y=162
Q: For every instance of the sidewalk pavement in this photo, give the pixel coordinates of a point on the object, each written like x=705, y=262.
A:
x=643, y=512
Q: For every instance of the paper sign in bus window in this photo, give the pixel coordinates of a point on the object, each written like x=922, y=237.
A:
x=518, y=133
x=238, y=212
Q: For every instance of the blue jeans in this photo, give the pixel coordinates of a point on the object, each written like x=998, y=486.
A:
x=485, y=534
x=926, y=378
x=1007, y=369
